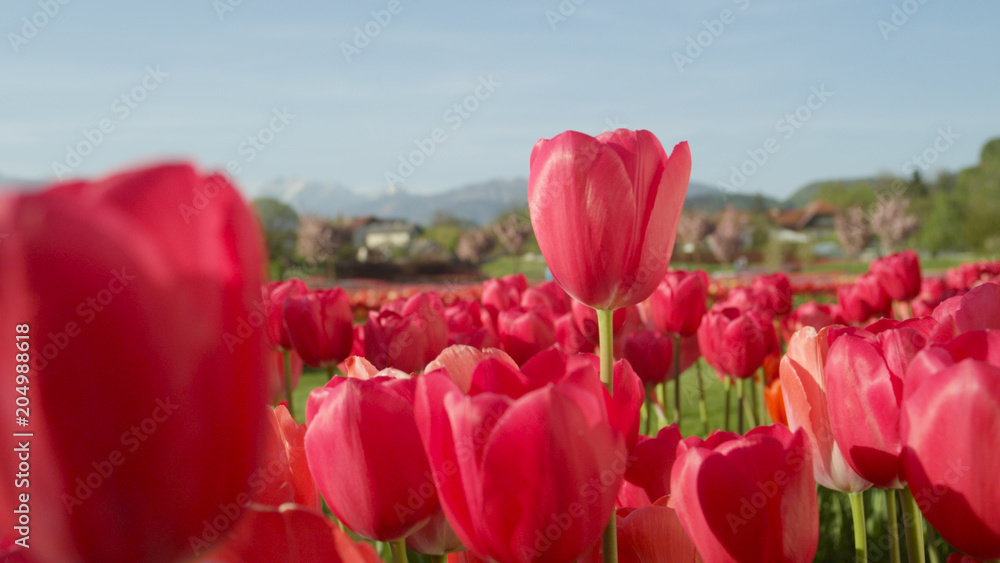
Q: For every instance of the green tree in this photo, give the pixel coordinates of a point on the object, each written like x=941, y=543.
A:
x=942, y=225
x=281, y=224
x=977, y=190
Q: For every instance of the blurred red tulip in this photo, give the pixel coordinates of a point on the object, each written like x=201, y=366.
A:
x=358, y=433
x=651, y=355
x=951, y=435
x=735, y=342
x=748, y=499
x=283, y=475
x=803, y=385
x=979, y=309
x=569, y=338
x=148, y=378
x=899, y=275
x=275, y=294
x=465, y=325
x=679, y=302
x=654, y=534
x=524, y=333
x=605, y=212
x=811, y=314
x=290, y=533
x=393, y=340
x=548, y=294
x=428, y=307
x=531, y=479
x=863, y=300
x=277, y=372
x=320, y=326
x=774, y=293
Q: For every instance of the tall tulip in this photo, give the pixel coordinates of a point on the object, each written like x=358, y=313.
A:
x=748, y=498
x=803, y=386
x=678, y=304
x=148, y=373
x=320, y=325
x=605, y=211
x=736, y=341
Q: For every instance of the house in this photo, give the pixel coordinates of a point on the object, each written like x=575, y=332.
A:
x=814, y=222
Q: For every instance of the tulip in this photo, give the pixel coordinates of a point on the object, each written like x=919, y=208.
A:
x=465, y=325
x=275, y=294
x=811, y=314
x=605, y=212
x=979, y=309
x=277, y=374
x=320, y=325
x=284, y=470
x=461, y=362
x=734, y=341
x=748, y=498
x=951, y=433
x=678, y=304
x=548, y=294
x=774, y=292
x=428, y=307
x=651, y=354
x=803, y=385
x=148, y=375
x=531, y=479
x=653, y=534
x=569, y=338
x=864, y=385
x=291, y=533
x=359, y=433
x=898, y=274
x=586, y=321
x=524, y=333
x=651, y=462
x=394, y=340
x=863, y=300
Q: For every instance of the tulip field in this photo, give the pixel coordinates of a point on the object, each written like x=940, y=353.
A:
x=166, y=402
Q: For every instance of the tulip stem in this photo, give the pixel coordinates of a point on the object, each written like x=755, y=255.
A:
x=604, y=331
x=649, y=414
x=288, y=383
x=398, y=549
x=439, y=558
x=666, y=404
x=762, y=411
x=744, y=405
x=860, y=533
x=677, y=380
x=913, y=524
x=702, y=403
x=890, y=507
x=331, y=372
x=728, y=384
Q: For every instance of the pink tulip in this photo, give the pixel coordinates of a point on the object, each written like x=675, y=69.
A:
x=803, y=387
x=569, y=338
x=148, y=373
x=810, y=314
x=654, y=534
x=735, y=342
x=605, y=212
x=979, y=309
x=320, y=325
x=586, y=322
x=679, y=302
x=275, y=294
x=524, y=333
x=748, y=499
x=774, y=292
x=465, y=325
x=394, y=340
x=283, y=475
x=899, y=275
x=651, y=462
x=428, y=307
x=951, y=431
x=651, y=354
x=531, y=479
x=461, y=361
x=548, y=294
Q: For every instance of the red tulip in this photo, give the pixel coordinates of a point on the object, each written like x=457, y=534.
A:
x=277, y=373
x=290, y=533
x=811, y=314
x=735, y=342
x=148, y=374
x=749, y=498
x=428, y=307
x=899, y=275
x=283, y=474
x=803, y=385
x=548, y=294
x=465, y=325
x=951, y=431
x=275, y=294
x=320, y=325
x=500, y=294
x=605, y=212
x=979, y=309
x=586, y=322
x=863, y=300
x=393, y=340
x=524, y=333
x=651, y=355
x=461, y=361
x=651, y=462
x=532, y=479
x=678, y=304
x=774, y=292
x=366, y=455
x=569, y=338
x=654, y=534
x=864, y=385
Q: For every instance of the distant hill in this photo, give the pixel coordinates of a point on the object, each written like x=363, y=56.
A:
x=807, y=193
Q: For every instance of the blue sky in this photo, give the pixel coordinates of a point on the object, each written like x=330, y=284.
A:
x=198, y=81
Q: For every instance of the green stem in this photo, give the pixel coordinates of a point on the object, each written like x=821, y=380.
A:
x=288, y=383
x=666, y=404
x=649, y=415
x=398, y=549
x=739, y=405
x=891, y=508
x=728, y=384
x=762, y=412
x=439, y=558
x=331, y=372
x=860, y=533
x=677, y=380
x=702, y=403
x=751, y=419
x=604, y=331
x=913, y=524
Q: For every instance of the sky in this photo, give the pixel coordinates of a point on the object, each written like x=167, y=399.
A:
x=428, y=96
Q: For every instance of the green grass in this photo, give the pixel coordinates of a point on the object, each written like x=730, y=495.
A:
x=533, y=269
